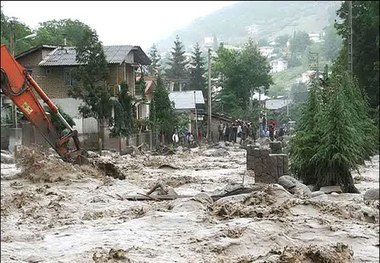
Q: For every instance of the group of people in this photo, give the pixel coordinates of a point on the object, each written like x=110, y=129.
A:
x=272, y=133
x=184, y=137
x=237, y=131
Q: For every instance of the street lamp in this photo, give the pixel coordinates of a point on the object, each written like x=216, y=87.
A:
x=196, y=116
x=33, y=35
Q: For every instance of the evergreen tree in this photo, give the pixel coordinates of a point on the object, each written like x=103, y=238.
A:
x=125, y=122
x=197, y=71
x=154, y=67
x=365, y=45
x=334, y=134
x=177, y=62
x=162, y=116
x=304, y=145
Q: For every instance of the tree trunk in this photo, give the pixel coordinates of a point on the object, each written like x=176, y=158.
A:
x=341, y=177
x=347, y=183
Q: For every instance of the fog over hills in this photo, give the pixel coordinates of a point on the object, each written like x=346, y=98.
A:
x=256, y=19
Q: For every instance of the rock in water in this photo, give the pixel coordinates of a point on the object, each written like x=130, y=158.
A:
x=371, y=195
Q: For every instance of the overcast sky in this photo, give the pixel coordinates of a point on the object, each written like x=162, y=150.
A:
x=117, y=22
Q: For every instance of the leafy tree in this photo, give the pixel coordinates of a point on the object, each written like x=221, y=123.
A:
x=197, y=71
x=50, y=32
x=18, y=30
x=332, y=42
x=91, y=76
x=154, y=67
x=55, y=31
x=241, y=73
x=59, y=126
x=177, y=62
x=162, y=116
x=124, y=123
x=365, y=23
x=281, y=41
x=299, y=42
x=294, y=60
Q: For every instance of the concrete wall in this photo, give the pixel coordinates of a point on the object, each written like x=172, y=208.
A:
x=267, y=167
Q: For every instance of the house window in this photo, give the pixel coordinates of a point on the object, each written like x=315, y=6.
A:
x=68, y=77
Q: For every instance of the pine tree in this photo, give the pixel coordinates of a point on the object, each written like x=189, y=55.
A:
x=335, y=134
x=197, y=71
x=162, y=116
x=304, y=145
x=154, y=67
x=177, y=62
x=124, y=123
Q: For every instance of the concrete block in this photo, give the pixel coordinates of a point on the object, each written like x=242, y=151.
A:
x=276, y=147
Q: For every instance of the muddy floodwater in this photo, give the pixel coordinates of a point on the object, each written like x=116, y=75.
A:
x=55, y=212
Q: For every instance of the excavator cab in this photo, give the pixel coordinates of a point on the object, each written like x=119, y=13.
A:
x=20, y=87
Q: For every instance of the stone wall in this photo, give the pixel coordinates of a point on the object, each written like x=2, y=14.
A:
x=267, y=167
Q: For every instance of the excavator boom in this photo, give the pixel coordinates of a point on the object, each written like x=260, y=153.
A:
x=18, y=85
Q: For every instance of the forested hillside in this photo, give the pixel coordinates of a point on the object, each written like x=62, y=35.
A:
x=259, y=20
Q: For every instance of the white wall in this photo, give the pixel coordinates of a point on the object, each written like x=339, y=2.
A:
x=70, y=107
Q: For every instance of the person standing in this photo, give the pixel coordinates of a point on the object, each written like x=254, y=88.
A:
x=220, y=131
x=271, y=132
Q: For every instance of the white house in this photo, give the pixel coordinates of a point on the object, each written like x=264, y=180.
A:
x=266, y=51
x=278, y=65
x=307, y=75
x=186, y=100
x=275, y=104
x=315, y=37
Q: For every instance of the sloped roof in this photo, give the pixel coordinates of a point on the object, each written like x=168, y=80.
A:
x=262, y=96
x=65, y=56
x=149, y=84
x=274, y=104
x=31, y=50
x=185, y=100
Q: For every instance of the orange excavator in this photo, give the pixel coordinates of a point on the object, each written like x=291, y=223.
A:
x=19, y=86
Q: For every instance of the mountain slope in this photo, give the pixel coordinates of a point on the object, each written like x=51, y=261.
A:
x=235, y=24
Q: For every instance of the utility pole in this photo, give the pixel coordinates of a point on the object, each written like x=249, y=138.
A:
x=349, y=49
x=209, y=96
x=196, y=116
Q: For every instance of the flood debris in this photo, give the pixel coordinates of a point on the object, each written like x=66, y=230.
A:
x=109, y=169
x=6, y=157
x=337, y=253
x=113, y=256
x=201, y=212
